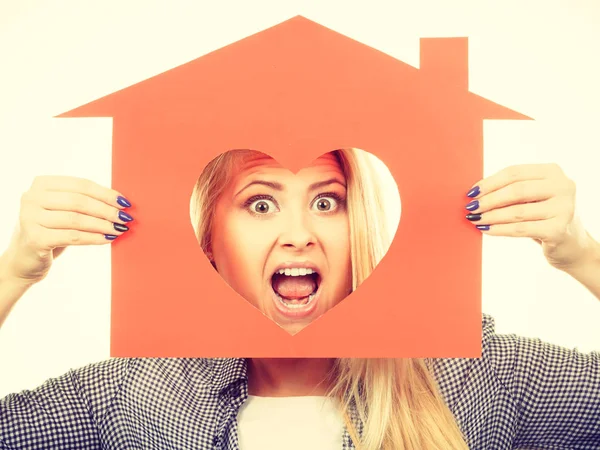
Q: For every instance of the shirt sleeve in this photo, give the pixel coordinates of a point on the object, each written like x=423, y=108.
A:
x=555, y=390
x=64, y=412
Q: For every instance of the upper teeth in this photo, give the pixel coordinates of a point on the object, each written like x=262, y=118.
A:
x=295, y=272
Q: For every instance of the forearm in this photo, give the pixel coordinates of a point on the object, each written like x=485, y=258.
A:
x=588, y=272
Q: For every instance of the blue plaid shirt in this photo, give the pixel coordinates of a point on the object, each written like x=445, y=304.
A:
x=521, y=394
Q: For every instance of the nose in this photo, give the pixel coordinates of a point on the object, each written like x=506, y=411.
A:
x=297, y=232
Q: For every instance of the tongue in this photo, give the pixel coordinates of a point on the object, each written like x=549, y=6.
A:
x=294, y=287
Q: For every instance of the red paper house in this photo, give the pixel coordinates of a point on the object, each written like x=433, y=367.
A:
x=296, y=91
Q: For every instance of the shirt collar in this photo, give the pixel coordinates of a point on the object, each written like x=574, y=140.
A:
x=228, y=372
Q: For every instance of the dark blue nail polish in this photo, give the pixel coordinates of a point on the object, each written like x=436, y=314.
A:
x=110, y=237
x=473, y=217
x=473, y=192
x=473, y=205
x=123, y=201
x=120, y=227
x=125, y=217
x=483, y=227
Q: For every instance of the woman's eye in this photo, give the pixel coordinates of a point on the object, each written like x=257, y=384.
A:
x=326, y=204
x=262, y=206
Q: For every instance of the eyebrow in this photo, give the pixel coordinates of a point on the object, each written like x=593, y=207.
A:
x=279, y=186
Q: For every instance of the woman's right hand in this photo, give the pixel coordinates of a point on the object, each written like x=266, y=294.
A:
x=58, y=211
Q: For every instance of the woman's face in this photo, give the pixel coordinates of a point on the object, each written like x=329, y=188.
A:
x=268, y=221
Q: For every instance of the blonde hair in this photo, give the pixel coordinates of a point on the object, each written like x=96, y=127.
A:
x=393, y=404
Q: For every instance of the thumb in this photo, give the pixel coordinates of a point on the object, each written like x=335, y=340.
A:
x=56, y=252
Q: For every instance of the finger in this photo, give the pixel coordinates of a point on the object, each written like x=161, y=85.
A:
x=539, y=229
x=70, y=220
x=518, y=192
x=523, y=212
x=70, y=201
x=513, y=174
x=78, y=185
x=47, y=239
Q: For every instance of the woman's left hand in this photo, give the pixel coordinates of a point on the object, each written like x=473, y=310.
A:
x=535, y=201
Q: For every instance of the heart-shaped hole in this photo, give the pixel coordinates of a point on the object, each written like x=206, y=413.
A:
x=295, y=245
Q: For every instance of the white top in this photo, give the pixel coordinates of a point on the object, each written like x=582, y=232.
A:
x=293, y=423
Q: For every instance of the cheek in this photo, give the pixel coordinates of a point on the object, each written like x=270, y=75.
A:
x=239, y=254
x=337, y=241
x=246, y=239
x=336, y=244
x=337, y=250
x=230, y=238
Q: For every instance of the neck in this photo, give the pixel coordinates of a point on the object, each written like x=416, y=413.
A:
x=288, y=377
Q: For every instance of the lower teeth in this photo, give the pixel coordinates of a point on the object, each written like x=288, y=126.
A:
x=298, y=305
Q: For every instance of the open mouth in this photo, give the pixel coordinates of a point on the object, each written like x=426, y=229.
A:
x=295, y=289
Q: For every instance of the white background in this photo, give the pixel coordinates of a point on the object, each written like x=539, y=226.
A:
x=537, y=57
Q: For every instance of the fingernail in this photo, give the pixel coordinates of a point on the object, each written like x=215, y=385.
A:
x=123, y=201
x=110, y=237
x=473, y=192
x=120, y=227
x=124, y=216
x=483, y=227
x=473, y=217
x=473, y=205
